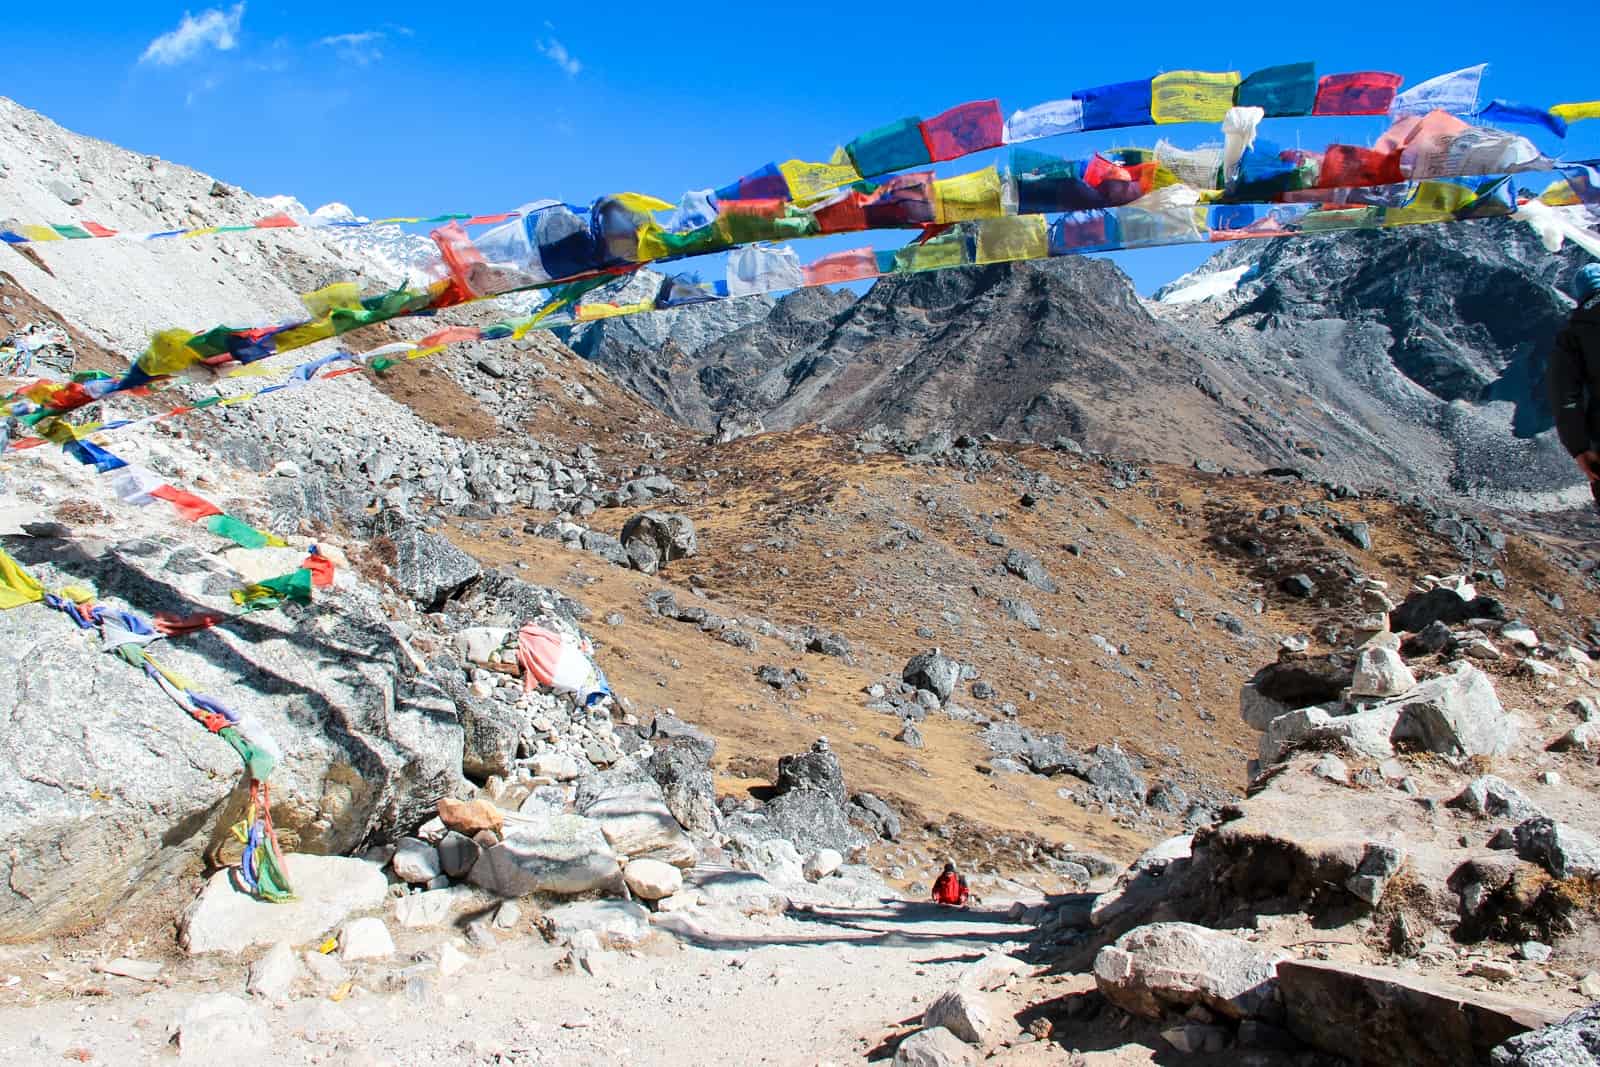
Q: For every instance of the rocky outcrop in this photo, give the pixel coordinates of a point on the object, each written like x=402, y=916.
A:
x=101, y=802
x=427, y=567
x=1173, y=966
x=1384, y=1015
x=655, y=538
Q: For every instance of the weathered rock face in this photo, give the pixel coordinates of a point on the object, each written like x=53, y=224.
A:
x=368, y=746
x=680, y=769
x=969, y=1014
x=818, y=769
x=1572, y=1042
x=638, y=824
x=1560, y=849
x=1456, y=714
x=655, y=538
x=1173, y=966
x=1383, y=1015
x=427, y=568
x=563, y=854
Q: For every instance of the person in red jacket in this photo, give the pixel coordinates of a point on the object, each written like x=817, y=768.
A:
x=951, y=888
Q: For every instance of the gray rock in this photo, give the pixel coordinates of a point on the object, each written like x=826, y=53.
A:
x=933, y=671
x=638, y=824
x=934, y=1047
x=1495, y=798
x=457, y=854
x=876, y=814
x=1029, y=570
x=617, y=923
x=1572, y=1042
x=564, y=854
x=368, y=745
x=655, y=538
x=1385, y=1015
x=273, y=976
x=606, y=547
x=680, y=768
x=812, y=820
x=365, y=939
x=818, y=769
x=223, y=918
x=1380, y=672
x=1021, y=611
x=1562, y=850
x=427, y=568
x=415, y=862
x=1174, y=966
x=969, y=1014
x=1443, y=606
x=1456, y=714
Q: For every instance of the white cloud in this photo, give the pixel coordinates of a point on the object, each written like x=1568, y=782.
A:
x=213, y=27
x=557, y=53
x=360, y=48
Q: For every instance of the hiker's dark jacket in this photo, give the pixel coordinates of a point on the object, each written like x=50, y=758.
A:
x=1575, y=380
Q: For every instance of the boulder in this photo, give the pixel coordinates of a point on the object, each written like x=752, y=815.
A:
x=100, y=811
x=1584, y=737
x=1029, y=570
x=638, y=824
x=1301, y=681
x=1572, y=1042
x=1384, y=1015
x=458, y=853
x=491, y=730
x=558, y=853
x=821, y=864
x=746, y=891
x=1562, y=850
x=1456, y=714
x=934, y=671
x=934, y=1047
x=273, y=976
x=470, y=816
x=876, y=814
x=969, y=1014
x=655, y=538
x=1495, y=798
x=774, y=859
x=1442, y=605
x=618, y=924
x=365, y=939
x=818, y=769
x=1174, y=966
x=687, y=786
x=1364, y=734
x=606, y=547
x=650, y=879
x=812, y=820
x=223, y=918
x=1380, y=672
x=416, y=862
x=427, y=568
x=1143, y=886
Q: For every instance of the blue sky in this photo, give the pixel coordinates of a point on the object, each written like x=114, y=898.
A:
x=416, y=109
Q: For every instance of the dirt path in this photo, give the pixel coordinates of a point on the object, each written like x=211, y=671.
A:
x=825, y=985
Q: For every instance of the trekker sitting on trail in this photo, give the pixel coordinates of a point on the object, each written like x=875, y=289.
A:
x=951, y=888
x=1575, y=379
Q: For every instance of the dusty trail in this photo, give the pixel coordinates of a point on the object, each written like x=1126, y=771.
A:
x=823, y=984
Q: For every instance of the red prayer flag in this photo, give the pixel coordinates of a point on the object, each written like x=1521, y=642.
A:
x=964, y=129
x=275, y=222
x=1368, y=92
x=321, y=568
x=189, y=506
x=98, y=230
x=853, y=265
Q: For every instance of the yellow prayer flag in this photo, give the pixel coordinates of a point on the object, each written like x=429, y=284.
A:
x=641, y=203
x=169, y=353
x=207, y=232
x=338, y=295
x=1192, y=95
x=41, y=233
x=812, y=181
x=1589, y=109
x=968, y=196
x=1015, y=238
x=935, y=255
x=305, y=334
x=17, y=586
x=1560, y=194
